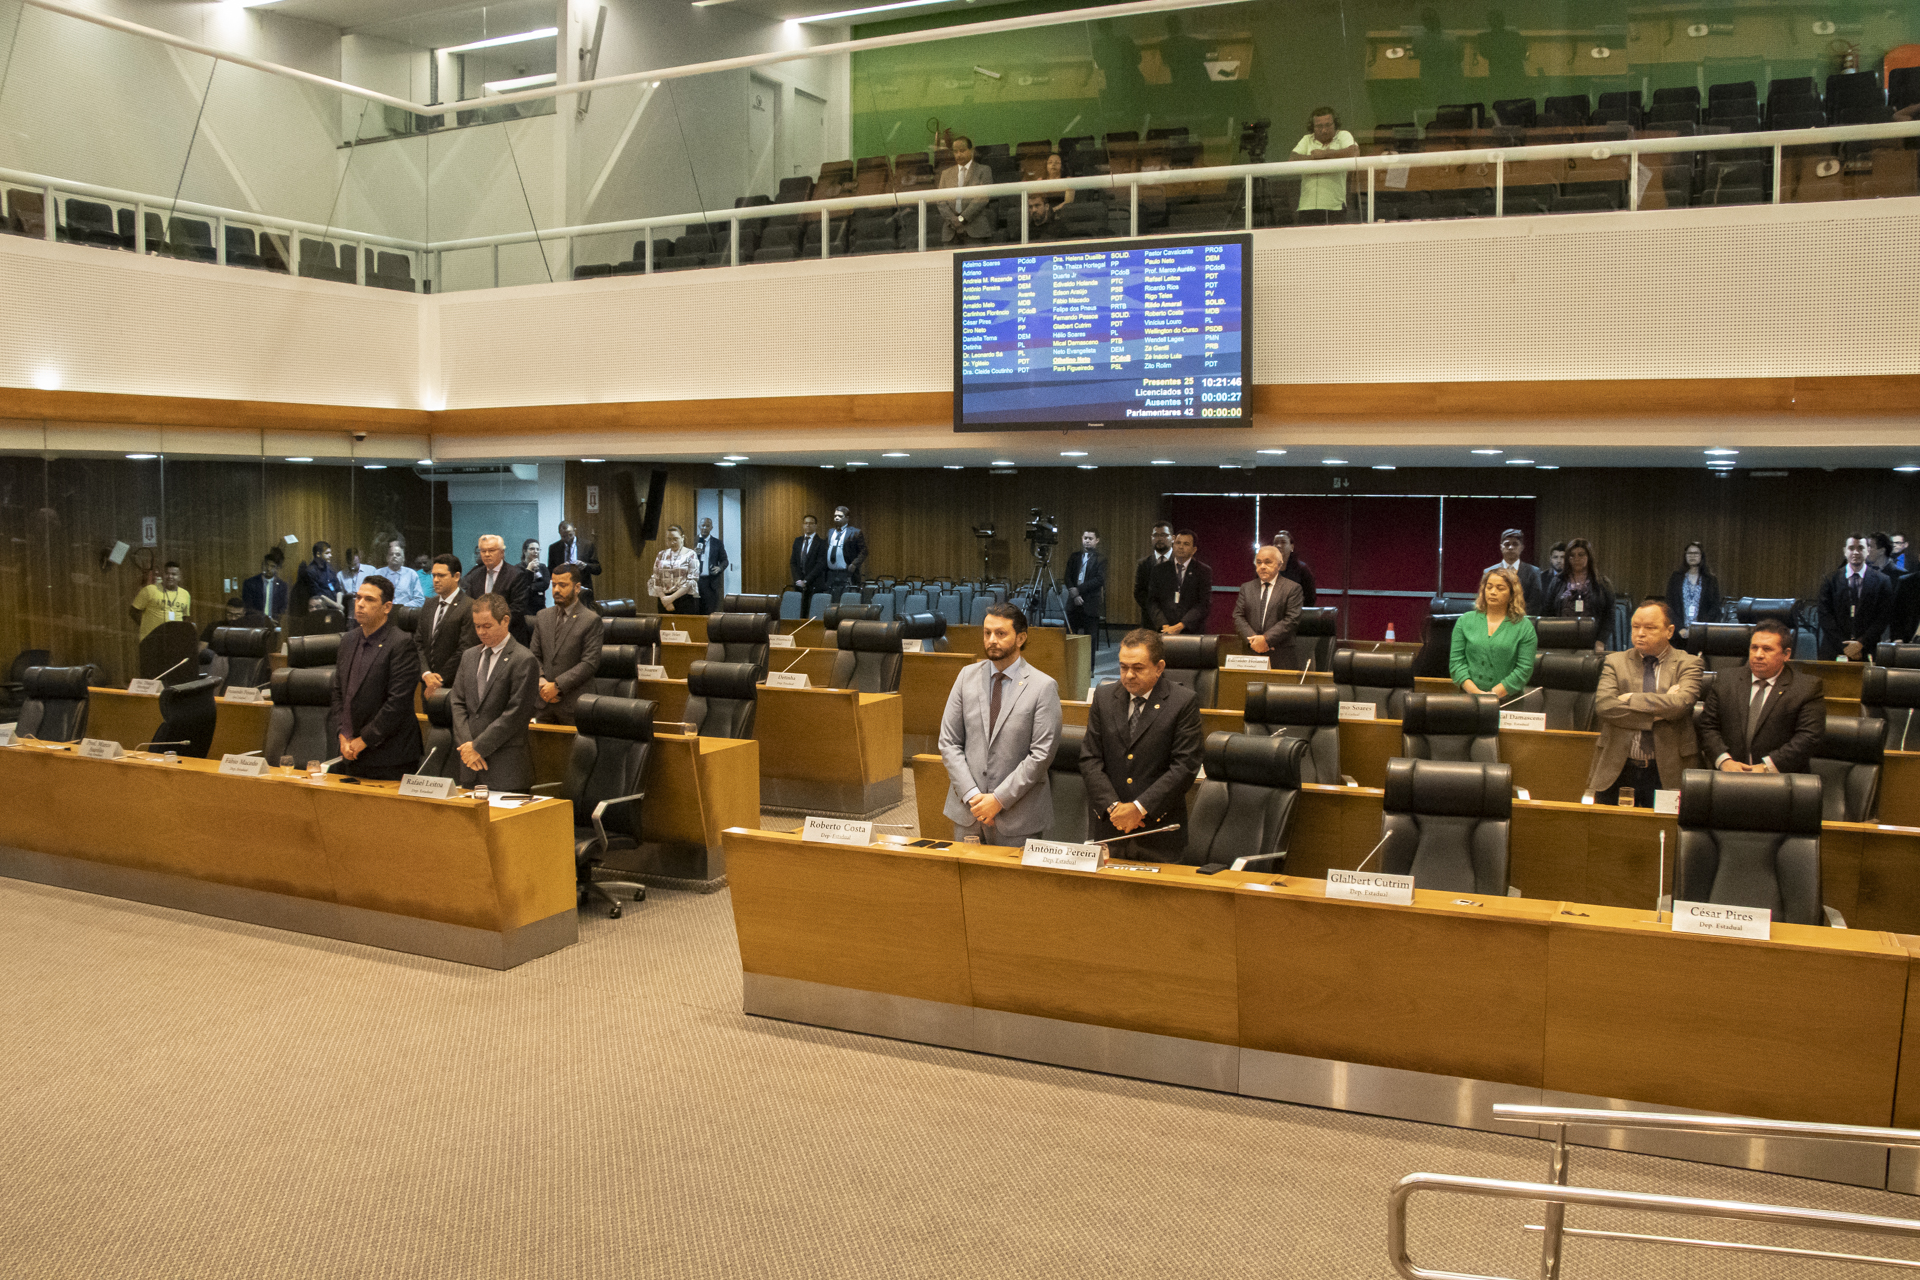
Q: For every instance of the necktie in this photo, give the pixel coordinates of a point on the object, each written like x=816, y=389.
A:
x=1649, y=683
x=486, y=669
x=1265, y=589
x=434, y=625
x=1134, y=712
x=1758, y=703
x=492, y=574
x=993, y=703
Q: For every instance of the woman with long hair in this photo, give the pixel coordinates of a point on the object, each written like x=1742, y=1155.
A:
x=1493, y=646
x=1693, y=593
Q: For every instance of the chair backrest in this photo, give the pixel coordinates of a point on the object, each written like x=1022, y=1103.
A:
x=839, y=613
x=1722, y=646
x=55, y=709
x=438, y=752
x=1567, y=633
x=1897, y=655
x=1451, y=726
x=642, y=634
x=789, y=606
x=739, y=637
x=1384, y=679
x=617, y=674
x=1848, y=762
x=1750, y=840
x=297, y=725
x=1071, y=817
x=1434, y=656
x=321, y=649
x=612, y=737
x=1563, y=685
x=617, y=608
x=26, y=659
x=1317, y=626
x=1446, y=823
x=248, y=653
x=762, y=604
x=1892, y=694
x=869, y=658
x=722, y=698
x=1244, y=805
x=1194, y=661
x=1310, y=712
x=187, y=714
x=1765, y=609
x=930, y=629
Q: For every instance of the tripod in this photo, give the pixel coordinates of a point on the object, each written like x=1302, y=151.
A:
x=1043, y=584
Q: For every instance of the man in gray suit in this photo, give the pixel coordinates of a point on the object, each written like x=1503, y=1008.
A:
x=494, y=694
x=1268, y=609
x=965, y=219
x=997, y=738
x=566, y=642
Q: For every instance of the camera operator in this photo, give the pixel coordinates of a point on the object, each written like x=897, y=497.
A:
x=1180, y=592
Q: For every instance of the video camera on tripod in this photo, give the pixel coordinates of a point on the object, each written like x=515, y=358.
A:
x=1043, y=532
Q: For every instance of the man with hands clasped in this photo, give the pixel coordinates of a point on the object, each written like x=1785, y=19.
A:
x=494, y=696
x=1141, y=751
x=1765, y=717
x=997, y=738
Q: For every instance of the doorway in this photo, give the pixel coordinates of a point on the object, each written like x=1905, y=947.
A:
x=807, y=135
x=722, y=506
x=764, y=115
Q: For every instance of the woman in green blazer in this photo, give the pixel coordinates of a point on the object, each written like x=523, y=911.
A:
x=1493, y=646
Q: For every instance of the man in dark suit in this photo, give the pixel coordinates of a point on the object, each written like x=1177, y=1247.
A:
x=443, y=630
x=371, y=716
x=846, y=554
x=493, y=575
x=494, y=696
x=960, y=218
x=1162, y=536
x=1181, y=591
x=1764, y=717
x=566, y=644
x=1856, y=606
x=807, y=566
x=1141, y=751
x=1906, y=609
x=265, y=591
x=1086, y=586
x=713, y=566
x=1268, y=609
x=1532, y=585
x=571, y=550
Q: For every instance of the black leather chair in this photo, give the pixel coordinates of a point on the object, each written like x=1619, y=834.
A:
x=839, y=613
x=439, y=752
x=617, y=674
x=612, y=738
x=1752, y=609
x=643, y=634
x=739, y=637
x=297, y=725
x=1564, y=686
x=1722, y=646
x=1384, y=679
x=1751, y=840
x=930, y=629
x=769, y=606
x=1563, y=634
x=1194, y=661
x=248, y=651
x=1891, y=694
x=1072, y=818
x=1451, y=726
x=1848, y=761
x=1243, y=807
x=187, y=714
x=1309, y=712
x=618, y=609
x=1447, y=824
x=1313, y=637
x=722, y=698
x=13, y=688
x=55, y=705
x=1434, y=659
x=319, y=651
x=869, y=658
x=1897, y=655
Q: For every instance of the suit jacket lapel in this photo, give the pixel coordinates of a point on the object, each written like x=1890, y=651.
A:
x=1008, y=700
x=1147, y=711
x=1774, y=696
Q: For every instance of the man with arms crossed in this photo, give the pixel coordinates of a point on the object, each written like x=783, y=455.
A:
x=493, y=698
x=566, y=644
x=1268, y=609
x=1645, y=705
x=1141, y=751
x=997, y=738
x=1766, y=717
x=371, y=717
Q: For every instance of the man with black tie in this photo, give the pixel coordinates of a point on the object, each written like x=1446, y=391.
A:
x=571, y=550
x=1856, y=606
x=1162, y=536
x=1765, y=717
x=566, y=644
x=1182, y=590
x=1268, y=609
x=846, y=554
x=713, y=566
x=444, y=629
x=1086, y=587
x=493, y=698
x=1532, y=587
x=1141, y=751
x=494, y=576
x=807, y=567
x=371, y=716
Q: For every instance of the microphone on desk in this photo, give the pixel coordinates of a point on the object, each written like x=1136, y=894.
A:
x=176, y=666
x=1905, y=731
x=177, y=742
x=1522, y=698
x=431, y=753
x=798, y=654
x=1135, y=835
x=1305, y=670
x=1369, y=858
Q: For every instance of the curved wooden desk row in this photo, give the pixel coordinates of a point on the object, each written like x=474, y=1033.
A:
x=1261, y=985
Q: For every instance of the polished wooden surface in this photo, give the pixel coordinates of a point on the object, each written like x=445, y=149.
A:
x=926, y=682
x=131, y=719
x=1067, y=658
x=828, y=735
x=696, y=787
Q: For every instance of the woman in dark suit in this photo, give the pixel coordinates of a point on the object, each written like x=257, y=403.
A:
x=1582, y=591
x=1693, y=593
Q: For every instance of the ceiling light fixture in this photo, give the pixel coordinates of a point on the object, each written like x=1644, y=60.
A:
x=1384, y=466
x=735, y=457
x=1489, y=452
x=954, y=466
x=1089, y=466
x=522, y=82
x=1907, y=469
x=1720, y=453
x=1000, y=462
x=141, y=457
x=1274, y=452
x=1519, y=462
x=856, y=464
x=1548, y=466
x=896, y=454
x=496, y=41
x=1333, y=462
x=1162, y=462
x=1073, y=453
x=423, y=462
x=299, y=459
x=375, y=466
x=593, y=459
x=875, y=8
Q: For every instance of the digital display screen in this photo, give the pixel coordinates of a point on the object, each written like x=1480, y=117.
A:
x=1125, y=333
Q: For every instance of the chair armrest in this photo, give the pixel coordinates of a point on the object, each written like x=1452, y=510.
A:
x=547, y=786
x=1272, y=863
x=599, y=812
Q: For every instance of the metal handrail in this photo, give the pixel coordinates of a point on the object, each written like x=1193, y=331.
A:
x=1738, y=1126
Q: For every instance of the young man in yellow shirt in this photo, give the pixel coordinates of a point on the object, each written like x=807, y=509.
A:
x=163, y=601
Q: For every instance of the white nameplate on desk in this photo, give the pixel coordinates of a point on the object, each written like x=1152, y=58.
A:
x=1359, y=711
x=787, y=680
x=6, y=735
x=1248, y=662
x=244, y=766
x=910, y=646
x=144, y=686
x=1533, y=720
x=675, y=637
x=101, y=749
x=837, y=831
x=1370, y=886
x=245, y=693
x=1061, y=857
x=1722, y=922
x=1666, y=801
x=416, y=784
x=780, y=642
x=648, y=671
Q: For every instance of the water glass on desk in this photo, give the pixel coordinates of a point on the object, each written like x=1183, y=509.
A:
x=286, y=762
x=315, y=770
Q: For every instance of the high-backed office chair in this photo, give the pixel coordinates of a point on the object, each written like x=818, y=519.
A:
x=1896, y=655
x=1783, y=610
x=1072, y=818
x=722, y=698
x=1309, y=712
x=1384, y=679
x=187, y=713
x=643, y=634
x=617, y=608
x=851, y=599
x=769, y=606
x=1751, y=840
x=1194, y=661
x=977, y=611
x=739, y=637
x=404, y=616
x=248, y=651
x=818, y=606
x=1566, y=634
x=612, y=738
x=1447, y=823
x=1722, y=646
x=790, y=606
x=617, y=675
x=1434, y=658
x=1451, y=726
x=439, y=753
x=1849, y=760
x=1891, y=694
x=320, y=651
x=1243, y=807
x=13, y=688
x=55, y=704
x=869, y=659
x=297, y=725
x=930, y=629
x=1564, y=686
x=839, y=613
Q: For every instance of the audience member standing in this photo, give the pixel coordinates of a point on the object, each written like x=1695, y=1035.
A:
x=319, y=585
x=161, y=602
x=807, y=566
x=1645, y=706
x=566, y=644
x=1764, y=717
x=540, y=573
x=964, y=219
x=1552, y=571
x=1693, y=593
x=1533, y=596
x=1141, y=751
x=444, y=629
x=997, y=737
x=1086, y=586
x=1582, y=591
x=571, y=549
x=1880, y=556
x=1900, y=551
x=846, y=554
x=265, y=591
x=1268, y=609
x=713, y=566
x=494, y=696
x=1323, y=196
x=494, y=576
x=673, y=582
x=1494, y=645
x=1182, y=591
x=1161, y=536
x=1295, y=570
x=1856, y=605
x=353, y=574
x=371, y=716
x=406, y=583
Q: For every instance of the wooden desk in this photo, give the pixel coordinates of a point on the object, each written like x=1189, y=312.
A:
x=829, y=751
x=454, y=879
x=133, y=718
x=926, y=681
